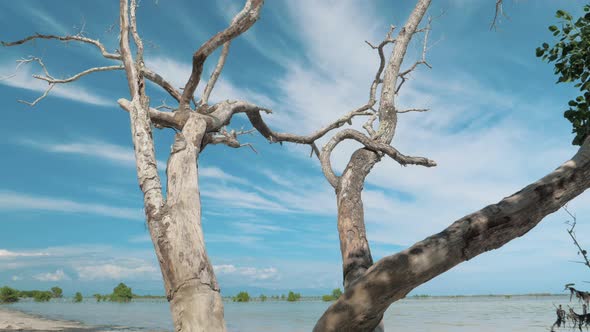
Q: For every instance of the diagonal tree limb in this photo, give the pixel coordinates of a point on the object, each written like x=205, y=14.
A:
x=392, y=277
x=499, y=12
x=240, y=23
x=159, y=80
x=215, y=75
x=34, y=102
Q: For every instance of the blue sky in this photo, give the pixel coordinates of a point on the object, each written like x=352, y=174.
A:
x=70, y=206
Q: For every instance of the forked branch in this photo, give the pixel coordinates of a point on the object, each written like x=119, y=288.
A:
x=240, y=23
x=403, y=75
x=215, y=75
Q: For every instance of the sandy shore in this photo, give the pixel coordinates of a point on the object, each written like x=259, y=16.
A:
x=12, y=320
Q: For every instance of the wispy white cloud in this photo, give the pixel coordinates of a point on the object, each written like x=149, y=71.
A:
x=247, y=272
x=73, y=91
x=95, y=149
x=16, y=278
x=46, y=20
x=116, y=272
x=216, y=173
x=58, y=275
x=242, y=198
x=11, y=254
x=10, y=200
x=258, y=228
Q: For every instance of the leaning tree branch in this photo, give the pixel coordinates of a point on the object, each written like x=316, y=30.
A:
x=215, y=75
x=392, y=277
x=369, y=144
x=499, y=12
x=34, y=102
x=240, y=23
x=413, y=110
x=159, y=80
x=78, y=37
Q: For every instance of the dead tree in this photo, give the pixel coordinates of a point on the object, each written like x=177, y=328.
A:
x=174, y=220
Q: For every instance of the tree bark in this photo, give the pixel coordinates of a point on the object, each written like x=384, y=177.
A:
x=354, y=247
x=365, y=300
x=191, y=286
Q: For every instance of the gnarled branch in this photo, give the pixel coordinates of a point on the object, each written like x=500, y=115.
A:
x=369, y=144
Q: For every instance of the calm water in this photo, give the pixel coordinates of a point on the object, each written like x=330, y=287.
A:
x=481, y=314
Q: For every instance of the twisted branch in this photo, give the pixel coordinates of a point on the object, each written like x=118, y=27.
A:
x=369, y=144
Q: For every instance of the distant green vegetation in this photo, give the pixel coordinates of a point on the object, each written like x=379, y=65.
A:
x=56, y=292
x=121, y=293
x=420, y=296
x=78, y=297
x=263, y=298
x=293, y=297
x=336, y=293
x=8, y=295
x=242, y=297
x=42, y=296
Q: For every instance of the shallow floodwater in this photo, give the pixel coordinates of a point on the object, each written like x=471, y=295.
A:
x=481, y=314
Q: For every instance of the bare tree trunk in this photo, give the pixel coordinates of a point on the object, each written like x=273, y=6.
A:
x=191, y=286
x=354, y=247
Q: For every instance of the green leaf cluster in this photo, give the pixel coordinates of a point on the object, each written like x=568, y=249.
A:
x=56, y=292
x=242, y=297
x=42, y=296
x=292, y=297
x=121, y=293
x=78, y=297
x=8, y=295
x=571, y=56
x=336, y=293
